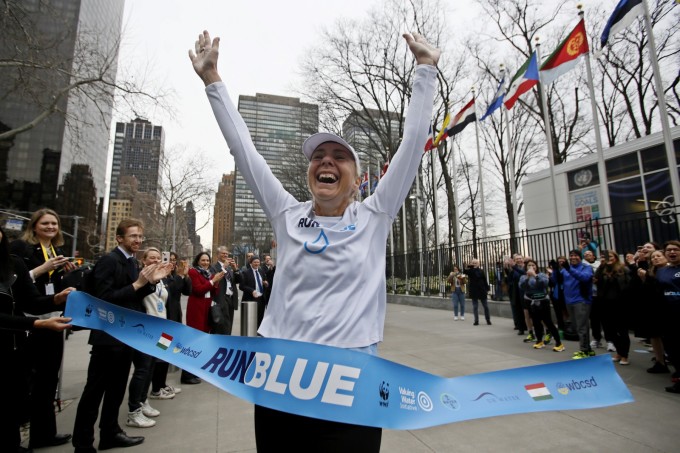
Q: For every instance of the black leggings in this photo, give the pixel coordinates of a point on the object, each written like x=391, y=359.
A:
x=277, y=431
x=540, y=314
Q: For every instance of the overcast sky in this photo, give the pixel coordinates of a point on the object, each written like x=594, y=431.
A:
x=262, y=43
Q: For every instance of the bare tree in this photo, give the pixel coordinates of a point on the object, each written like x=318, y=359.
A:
x=184, y=178
x=362, y=71
x=34, y=71
x=627, y=95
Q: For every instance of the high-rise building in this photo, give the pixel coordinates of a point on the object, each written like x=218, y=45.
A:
x=137, y=151
x=376, y=136
x=77, y=38
x=135, y=172
x=223, y=214
x=278, y=125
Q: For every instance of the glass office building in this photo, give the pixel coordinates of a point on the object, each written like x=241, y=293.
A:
x=278, y=125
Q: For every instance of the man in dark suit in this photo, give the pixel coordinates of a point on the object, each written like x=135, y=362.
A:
x=253, y=285
x=227, y=294
x=118, y=280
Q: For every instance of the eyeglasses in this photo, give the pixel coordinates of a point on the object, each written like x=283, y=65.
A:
x=136, y=237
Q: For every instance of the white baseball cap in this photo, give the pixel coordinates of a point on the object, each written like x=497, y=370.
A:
x=317, y=139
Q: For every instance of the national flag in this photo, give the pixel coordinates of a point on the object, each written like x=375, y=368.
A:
x=523, y=80
x=442, y=132
x=538, y=391
x=565, y=57
x=497, y=99
x=466, y=116
x=384, y=168
x=376, y=180
x=164, y=341
x=364, y=184
x=624, y=14
x=430, y=140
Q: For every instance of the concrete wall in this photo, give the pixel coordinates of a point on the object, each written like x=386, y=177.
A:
x=496, y=308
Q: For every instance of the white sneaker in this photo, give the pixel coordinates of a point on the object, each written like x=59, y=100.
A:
x=137, y=419
x=174, y=390
x=162, y=394
x=455, y=318
x=595, y=344
x=149, y=411
x=611, y=347
x=462, y=318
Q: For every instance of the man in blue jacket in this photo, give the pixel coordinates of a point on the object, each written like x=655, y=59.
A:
x=578, y=295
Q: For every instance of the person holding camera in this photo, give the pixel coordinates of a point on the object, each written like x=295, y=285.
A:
x=457, y=280
x=536, y=292
x=479, y=288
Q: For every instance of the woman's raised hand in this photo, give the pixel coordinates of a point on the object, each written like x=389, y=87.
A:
x=423, y=51
x=204, y=58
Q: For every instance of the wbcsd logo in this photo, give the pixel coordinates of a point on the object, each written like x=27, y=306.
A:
x=186, y=350
x=565, y=388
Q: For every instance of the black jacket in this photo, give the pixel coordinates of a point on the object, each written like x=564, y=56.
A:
x=176, y=286
x=248, y=284
x=33, y=257
x=113, y=283
x=17, y=296
x=221, y=296
x=477, y=284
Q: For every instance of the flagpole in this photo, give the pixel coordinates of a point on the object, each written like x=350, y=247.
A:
x=605, y=208
x=511, y=165
x=548, y=134
x=436, y=215
x=403, y=234
x=456, y=228
x=420, y=233
x=479, y=163
x=663, y=112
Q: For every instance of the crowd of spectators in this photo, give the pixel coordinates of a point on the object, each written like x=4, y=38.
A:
x=35, y=280
x=599, y=298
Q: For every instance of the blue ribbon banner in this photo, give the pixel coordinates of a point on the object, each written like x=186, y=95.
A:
x=348, y=386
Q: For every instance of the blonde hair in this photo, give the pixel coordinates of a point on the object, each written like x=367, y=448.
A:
x=149, y=250
x=29, y=234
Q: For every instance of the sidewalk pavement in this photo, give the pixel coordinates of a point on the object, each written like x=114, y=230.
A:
x=205, y=419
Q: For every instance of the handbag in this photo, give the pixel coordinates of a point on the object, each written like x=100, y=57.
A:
x=217, y=319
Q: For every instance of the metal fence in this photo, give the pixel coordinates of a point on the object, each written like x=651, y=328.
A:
x=424, y=273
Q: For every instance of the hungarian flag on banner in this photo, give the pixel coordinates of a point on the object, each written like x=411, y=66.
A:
x=624, y=14
x=466, y=116
x=566, y=56
x=522, y=81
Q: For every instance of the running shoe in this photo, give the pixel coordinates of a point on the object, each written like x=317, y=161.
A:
x=559, y=348
x=547, y=338
x=539, y=345
x=530, y=338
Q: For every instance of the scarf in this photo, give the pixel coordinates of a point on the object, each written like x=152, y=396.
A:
x=203, y=272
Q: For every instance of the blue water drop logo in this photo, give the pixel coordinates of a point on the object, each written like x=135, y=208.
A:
x=319, y=244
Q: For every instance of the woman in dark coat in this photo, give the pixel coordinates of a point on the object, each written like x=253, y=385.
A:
x=18, y=296
x=40, y=249
x=613, y=282
x=479, y=288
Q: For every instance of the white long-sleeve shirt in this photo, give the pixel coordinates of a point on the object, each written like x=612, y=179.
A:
x=330, y=274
